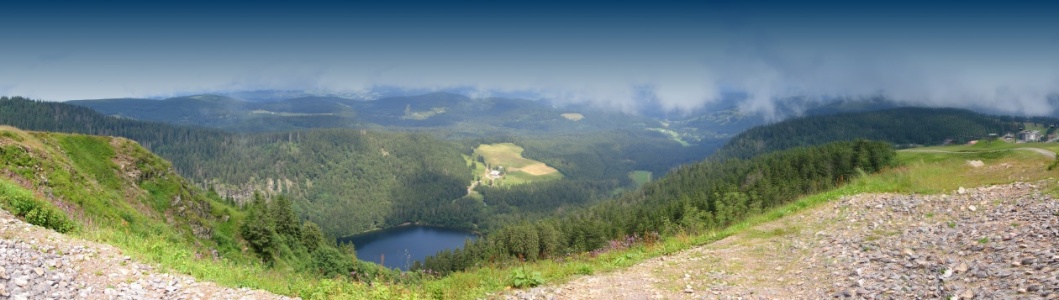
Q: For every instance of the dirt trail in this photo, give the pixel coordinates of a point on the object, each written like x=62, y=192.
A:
x=982, y=243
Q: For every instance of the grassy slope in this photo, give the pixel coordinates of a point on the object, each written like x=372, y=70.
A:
x=640, y=177
x=994, y=145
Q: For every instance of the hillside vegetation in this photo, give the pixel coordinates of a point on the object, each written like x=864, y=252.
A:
x=113, y=191
x=352, y=180
x=704, y=196
x=346, y=180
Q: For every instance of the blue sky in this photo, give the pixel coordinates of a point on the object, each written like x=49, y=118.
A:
x=620, y=54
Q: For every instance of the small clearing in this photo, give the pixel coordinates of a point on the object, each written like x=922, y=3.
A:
x=539, y=169
x=507, y=155
x=640, y=177
x=421, y=115
x=506, y=158
x=573, y=116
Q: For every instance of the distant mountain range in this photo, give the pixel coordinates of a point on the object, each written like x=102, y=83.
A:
x=453, y=115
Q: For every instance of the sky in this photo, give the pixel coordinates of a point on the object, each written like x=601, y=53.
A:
x=622, y=54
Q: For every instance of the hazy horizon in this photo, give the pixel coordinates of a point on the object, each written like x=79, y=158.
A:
x=620, y=55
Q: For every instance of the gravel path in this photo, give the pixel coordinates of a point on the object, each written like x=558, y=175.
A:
x=996, y=242
x=36, y=263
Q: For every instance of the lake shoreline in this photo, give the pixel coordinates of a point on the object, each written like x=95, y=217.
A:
x=398, y=247
x=405, y=224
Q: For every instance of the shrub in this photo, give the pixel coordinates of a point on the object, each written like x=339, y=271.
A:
x=21, y=203
x=523, y=280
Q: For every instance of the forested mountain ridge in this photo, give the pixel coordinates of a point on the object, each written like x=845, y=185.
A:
x=459, y=115
x=229, y=113
x=901, y=126
x=447, y=115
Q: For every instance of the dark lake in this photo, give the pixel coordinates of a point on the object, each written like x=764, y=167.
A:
x=401, y=246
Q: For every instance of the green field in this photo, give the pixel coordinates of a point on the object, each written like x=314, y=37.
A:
x=926, y=172
x=516, y=169
x=992, y=145
x=640, y=177
x=1035, y=126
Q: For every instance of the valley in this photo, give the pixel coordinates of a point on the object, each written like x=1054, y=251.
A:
x=529, y=150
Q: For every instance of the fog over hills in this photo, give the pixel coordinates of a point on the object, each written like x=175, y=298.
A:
x=630, y=57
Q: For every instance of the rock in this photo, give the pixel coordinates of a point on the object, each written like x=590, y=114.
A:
x=962, y=268
x=20, y=282
x=961, y=191
x=972, y=208
x=687, y=289
x=967, y=294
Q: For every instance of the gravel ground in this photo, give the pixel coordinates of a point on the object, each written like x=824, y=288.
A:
x=995, y=242
x=37, y=263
